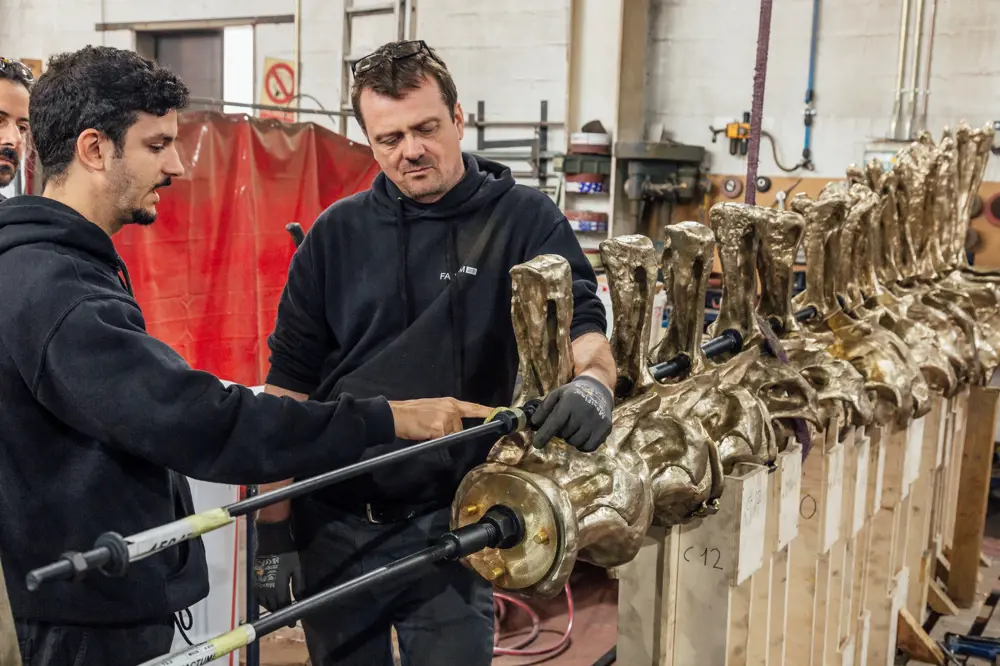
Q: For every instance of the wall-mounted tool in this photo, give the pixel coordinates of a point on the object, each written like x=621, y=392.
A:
x=737, y=133
x=763, y=184
x=781, y=197
x=732, y=187
x=660, y=172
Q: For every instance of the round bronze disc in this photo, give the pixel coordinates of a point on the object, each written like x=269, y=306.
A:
x=528, y=562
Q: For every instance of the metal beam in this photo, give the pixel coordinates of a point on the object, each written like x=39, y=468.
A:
x=195, y=24
x=206, y=101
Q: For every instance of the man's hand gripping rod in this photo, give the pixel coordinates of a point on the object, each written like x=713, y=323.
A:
x=500, y=527
x=112, y=553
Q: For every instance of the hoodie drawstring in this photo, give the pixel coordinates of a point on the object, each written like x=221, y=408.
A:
x=127, y=282
x=454, y=311
x=401, y=277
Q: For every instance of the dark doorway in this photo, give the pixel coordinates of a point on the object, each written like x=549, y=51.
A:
x=195, y=56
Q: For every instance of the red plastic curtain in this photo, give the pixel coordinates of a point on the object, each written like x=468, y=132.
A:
x=209, y=272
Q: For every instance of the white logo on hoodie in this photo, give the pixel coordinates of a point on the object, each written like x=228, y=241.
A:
x=468, y=270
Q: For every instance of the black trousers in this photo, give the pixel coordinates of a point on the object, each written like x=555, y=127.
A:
x=443, y=617
x=44, y=644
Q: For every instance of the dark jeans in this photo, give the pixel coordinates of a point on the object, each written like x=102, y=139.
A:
x=444, y=616
x=68, y=645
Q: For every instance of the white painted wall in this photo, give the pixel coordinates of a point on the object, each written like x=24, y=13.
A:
x=702, y=65
x=513, y=54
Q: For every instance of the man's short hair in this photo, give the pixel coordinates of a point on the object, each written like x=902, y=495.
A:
x=97, y=87
x=17, y=72
x=398, y=67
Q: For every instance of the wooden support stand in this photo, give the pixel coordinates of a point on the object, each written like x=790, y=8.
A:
x=972, y=495
x=829, y=561
x=699, y=608
x=818, y=558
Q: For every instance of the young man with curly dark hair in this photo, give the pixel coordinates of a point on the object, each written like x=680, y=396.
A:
x=15, y=84
x=101, y=422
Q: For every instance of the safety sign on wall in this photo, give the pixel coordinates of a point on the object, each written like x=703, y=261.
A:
x=278, y=89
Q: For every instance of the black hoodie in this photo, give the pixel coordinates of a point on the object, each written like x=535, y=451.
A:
x=99, y=421
x=390, y=297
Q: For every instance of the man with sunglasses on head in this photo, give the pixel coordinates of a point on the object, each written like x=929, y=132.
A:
x=404, y=290
x=15, y=84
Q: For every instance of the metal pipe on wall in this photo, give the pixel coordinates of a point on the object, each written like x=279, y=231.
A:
x=897, y=110
x=918, y=29
x=298, y=47
x=922, y=125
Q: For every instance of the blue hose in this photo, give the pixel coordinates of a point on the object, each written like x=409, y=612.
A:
x=810, y=91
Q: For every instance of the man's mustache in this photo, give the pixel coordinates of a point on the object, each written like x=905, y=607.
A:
x=10, y=155
x=415, y=165
x=164, y=183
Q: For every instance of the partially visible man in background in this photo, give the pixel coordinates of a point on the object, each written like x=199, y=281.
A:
x=15, y=82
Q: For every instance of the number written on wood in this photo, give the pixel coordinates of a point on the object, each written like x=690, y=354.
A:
x=753, y=506
x=709, y=557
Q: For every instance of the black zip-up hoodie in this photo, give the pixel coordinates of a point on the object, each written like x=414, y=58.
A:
x=390, y=297
x=99, y=421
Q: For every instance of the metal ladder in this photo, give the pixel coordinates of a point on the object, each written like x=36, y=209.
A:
x=402, y=10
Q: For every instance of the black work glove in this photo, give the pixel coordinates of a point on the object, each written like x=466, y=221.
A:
x=579, y=413
x=276, y=566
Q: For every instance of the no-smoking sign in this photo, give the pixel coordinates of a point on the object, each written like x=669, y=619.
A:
x=278, y=88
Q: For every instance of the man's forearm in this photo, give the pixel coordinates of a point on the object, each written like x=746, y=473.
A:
x=282, y=510
x=592, y=357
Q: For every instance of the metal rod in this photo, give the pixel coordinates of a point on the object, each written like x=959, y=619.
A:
x=728, y=342
x=806, y=314
x=918, y=27
x=297, y=81
x=501, y=527
x=252, y=609
x=207, y=101
x=498, y=428
x=926, y=91
x=757, y=105
x=408, y=19
x=472, y=122
x=112, y=553
x=897, y=109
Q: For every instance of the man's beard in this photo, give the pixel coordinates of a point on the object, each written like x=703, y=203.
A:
x=142, y=217
x=7, y=172
x=137, y=214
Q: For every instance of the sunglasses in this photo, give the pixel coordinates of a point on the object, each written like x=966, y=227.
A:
x=392, y=52
x=17, y=67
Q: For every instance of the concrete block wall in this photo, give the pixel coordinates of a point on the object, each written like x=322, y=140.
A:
x=513, y=54
x=701, y=69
